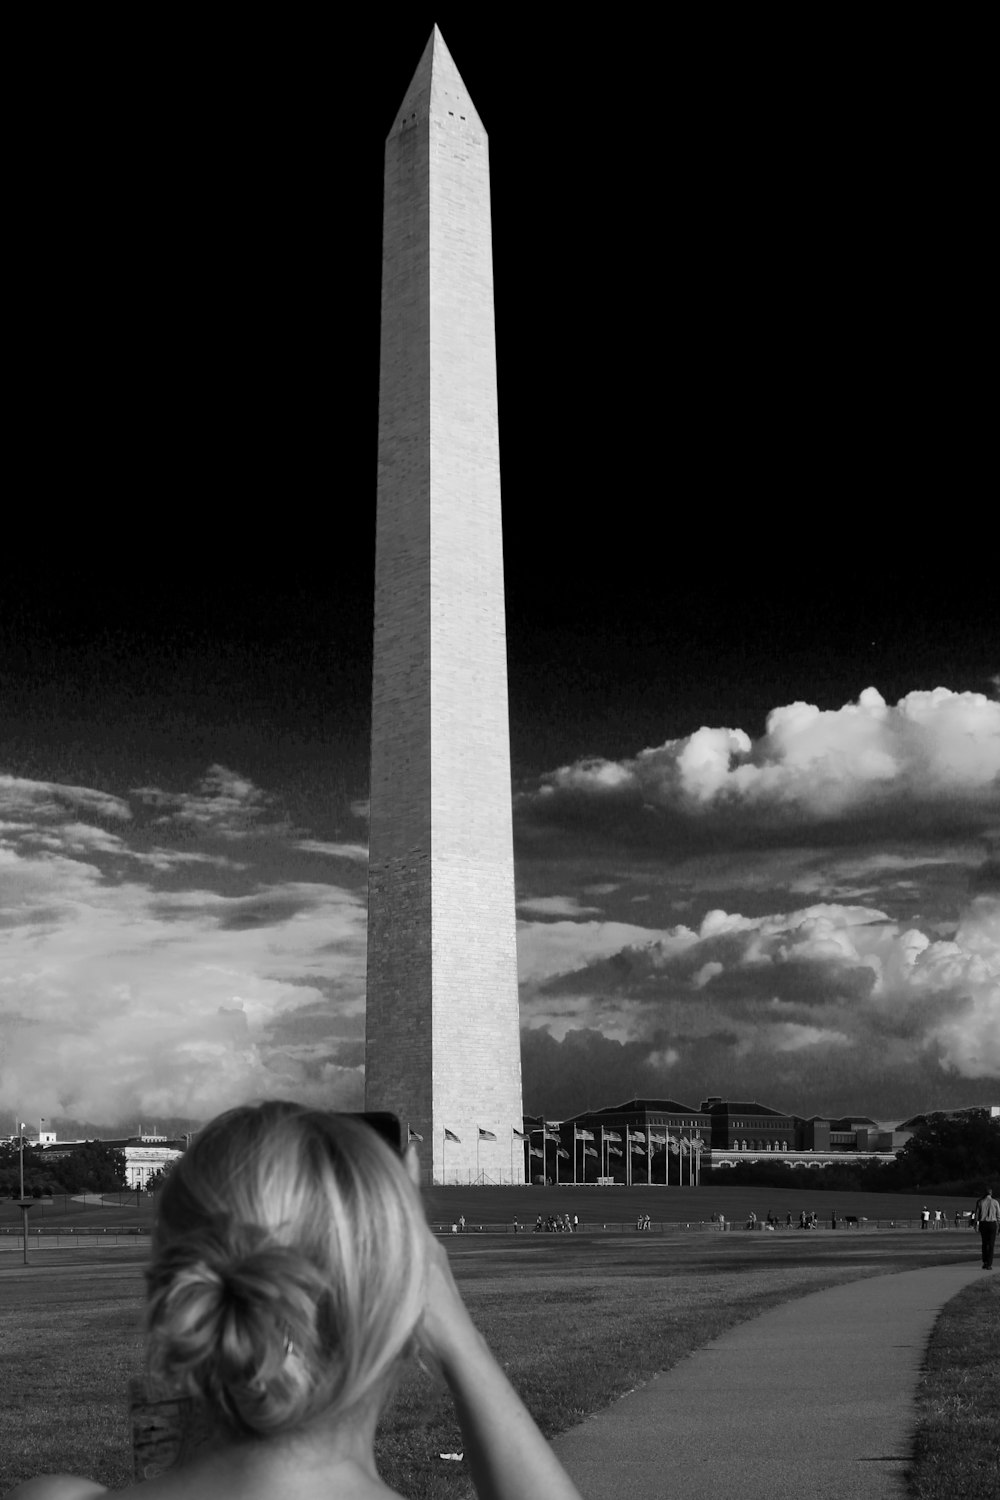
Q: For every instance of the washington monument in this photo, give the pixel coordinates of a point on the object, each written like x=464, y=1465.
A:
x=442, y=1041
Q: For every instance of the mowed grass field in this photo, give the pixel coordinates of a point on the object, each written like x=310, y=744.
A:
x=64, y=1212
x=596, y=1206
x=576, y=1320
x=498, y=1207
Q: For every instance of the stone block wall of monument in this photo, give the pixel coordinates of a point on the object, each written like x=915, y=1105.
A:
x=442, y=1046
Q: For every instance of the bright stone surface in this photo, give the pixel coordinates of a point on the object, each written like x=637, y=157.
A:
x=443, y=1045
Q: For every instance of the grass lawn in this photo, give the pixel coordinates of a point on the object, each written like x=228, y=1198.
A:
x=498, y=1207
x=93, y=1212
x=576, y=1320
x=956, y=1451
x=595, y=1206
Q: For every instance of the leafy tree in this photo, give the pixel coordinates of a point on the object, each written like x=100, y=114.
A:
x=91, y=1168
x=952, y=1149
x=156, y=1180
x=36, y=1171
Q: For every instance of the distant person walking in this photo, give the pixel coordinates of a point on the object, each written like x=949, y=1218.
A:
x=925, y=1217
x=986, y=1219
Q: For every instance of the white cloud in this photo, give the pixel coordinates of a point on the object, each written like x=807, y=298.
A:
x=76, y=838
x=837, y=976
x=969, y=969
x=23, y=798
x=118, y=1001
x=789, y=1037
x=226, y=804
x=356, y=852
x=555, y=906
x=172, y=859
x=546, y=949
x=820, y=764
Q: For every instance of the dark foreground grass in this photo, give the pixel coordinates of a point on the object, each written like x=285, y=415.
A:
x=576, y=1321
x=956, y=1452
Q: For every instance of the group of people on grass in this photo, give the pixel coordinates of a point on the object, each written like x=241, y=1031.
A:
x=556, y=1224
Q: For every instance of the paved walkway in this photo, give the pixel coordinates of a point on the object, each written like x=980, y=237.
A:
x=814, y=1398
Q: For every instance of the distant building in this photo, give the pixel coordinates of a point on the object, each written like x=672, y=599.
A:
x=144, y=1154
x=664, y=1143
x=142, y=1162
x=656, y=1141
x=745, y=1125
x=747, y=1130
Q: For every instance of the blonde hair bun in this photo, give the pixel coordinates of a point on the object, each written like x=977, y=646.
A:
x=288, y=1267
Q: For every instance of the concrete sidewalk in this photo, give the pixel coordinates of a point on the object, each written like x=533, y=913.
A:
x=812, y=1398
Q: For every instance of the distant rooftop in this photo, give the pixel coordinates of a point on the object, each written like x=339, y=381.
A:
x=744, y=1107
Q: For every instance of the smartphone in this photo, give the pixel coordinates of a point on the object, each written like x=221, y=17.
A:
x=388, y=1126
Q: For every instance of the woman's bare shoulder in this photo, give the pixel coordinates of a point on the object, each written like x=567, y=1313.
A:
x=56, y=1487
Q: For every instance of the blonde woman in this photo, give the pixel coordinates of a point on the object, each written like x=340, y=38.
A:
x=292, y=1275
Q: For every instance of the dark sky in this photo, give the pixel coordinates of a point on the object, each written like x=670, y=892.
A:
x=733, y=284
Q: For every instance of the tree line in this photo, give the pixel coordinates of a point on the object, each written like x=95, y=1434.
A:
x=91, y=1167
x=958, y=1156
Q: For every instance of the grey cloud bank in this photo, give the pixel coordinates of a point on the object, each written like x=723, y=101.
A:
x=812, y=918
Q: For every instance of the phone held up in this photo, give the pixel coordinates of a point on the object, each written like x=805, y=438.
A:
x=388, y=1126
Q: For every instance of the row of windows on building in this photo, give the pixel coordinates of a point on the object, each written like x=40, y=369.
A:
x=759, y=1146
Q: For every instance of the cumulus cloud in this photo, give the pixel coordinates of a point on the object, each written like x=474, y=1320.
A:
x=74, y=838
x=789, y=1037
x=356, y=852
x=931, y=749
x=548, y=949
x=173, y=859
x=34, y=800
x=811, y=985
x=555, y=906
x=120, y=999
x=225, y=804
